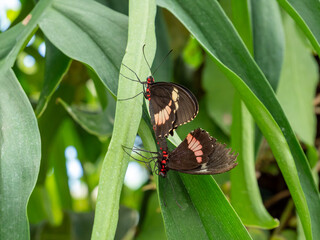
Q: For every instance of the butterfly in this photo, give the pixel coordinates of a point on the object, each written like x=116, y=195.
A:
x=199, y=153
x=170, y=104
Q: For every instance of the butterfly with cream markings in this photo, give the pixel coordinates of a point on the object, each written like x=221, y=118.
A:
x=170, y=104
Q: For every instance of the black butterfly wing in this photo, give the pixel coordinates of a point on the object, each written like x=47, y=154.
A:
x=171, y=105
x=162, y=108
x=220, y=161
x=216, y=157
x=187, y=107
x=193, y=152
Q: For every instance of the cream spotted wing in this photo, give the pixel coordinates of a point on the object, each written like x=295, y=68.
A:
x=171, y=105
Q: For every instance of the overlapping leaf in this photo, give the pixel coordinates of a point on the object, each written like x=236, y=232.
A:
x=229, y=53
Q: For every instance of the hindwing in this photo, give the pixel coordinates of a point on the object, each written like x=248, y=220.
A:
x=199, y=153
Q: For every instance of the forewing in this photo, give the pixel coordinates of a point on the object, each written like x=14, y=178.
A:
x=162, y=109
x=187, y=106
x=171, y=105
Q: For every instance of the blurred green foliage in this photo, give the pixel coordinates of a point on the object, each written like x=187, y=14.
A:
x=72, y=92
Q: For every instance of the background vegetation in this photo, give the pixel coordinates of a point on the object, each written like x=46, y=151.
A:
x=254, y=67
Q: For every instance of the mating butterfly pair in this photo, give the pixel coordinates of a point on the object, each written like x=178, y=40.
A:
x=171, y=105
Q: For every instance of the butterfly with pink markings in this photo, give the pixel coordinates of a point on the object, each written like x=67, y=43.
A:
x=199, y=153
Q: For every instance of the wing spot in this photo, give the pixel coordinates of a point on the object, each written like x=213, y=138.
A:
x=189, y=138
x=198, y=153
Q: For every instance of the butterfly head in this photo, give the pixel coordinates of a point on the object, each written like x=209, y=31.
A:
x=150, y=80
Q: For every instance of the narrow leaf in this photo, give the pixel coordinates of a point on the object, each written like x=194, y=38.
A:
x=127, y=118
x=245, y=188
x=268, y=39
x=97, y=123
x=56, y=66
x=307, y=15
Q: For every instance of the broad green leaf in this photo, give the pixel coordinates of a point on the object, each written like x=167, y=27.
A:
x=245, y=188
x=88, y=32
x=268, y=39
x=300, y=75
x=229, y=53
x=56, y=66
x=193, y=207
x=19, y=159
x=97, y=123
x=127, y=117
x=307, y=15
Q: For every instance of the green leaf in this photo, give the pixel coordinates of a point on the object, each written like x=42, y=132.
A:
x=300, y=75
x=242, y=20
x=127, y=118
x=165, y=71
x=97, y=123
x=151, y=219
x=307, y=15
x=19, y=159
x=56, y=66
x=229, y=53
x=18, y=36
x=58, y=160
x=79, y=27
x=128, y=219
x=243, y=179
x=268, y=39
x=49, y=122
x=245, y=188
x=219, y=95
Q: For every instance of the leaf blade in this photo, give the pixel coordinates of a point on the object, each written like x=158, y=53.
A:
x=127, y=118
x=20, y=157
x=229, y=53
x=307, y=16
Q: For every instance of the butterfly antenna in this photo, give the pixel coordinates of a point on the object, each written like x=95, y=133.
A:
x=142, y=150
x=162, y=62
x=145, y=162
x=144, y=55
x=129, y=78
x=133, y=73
